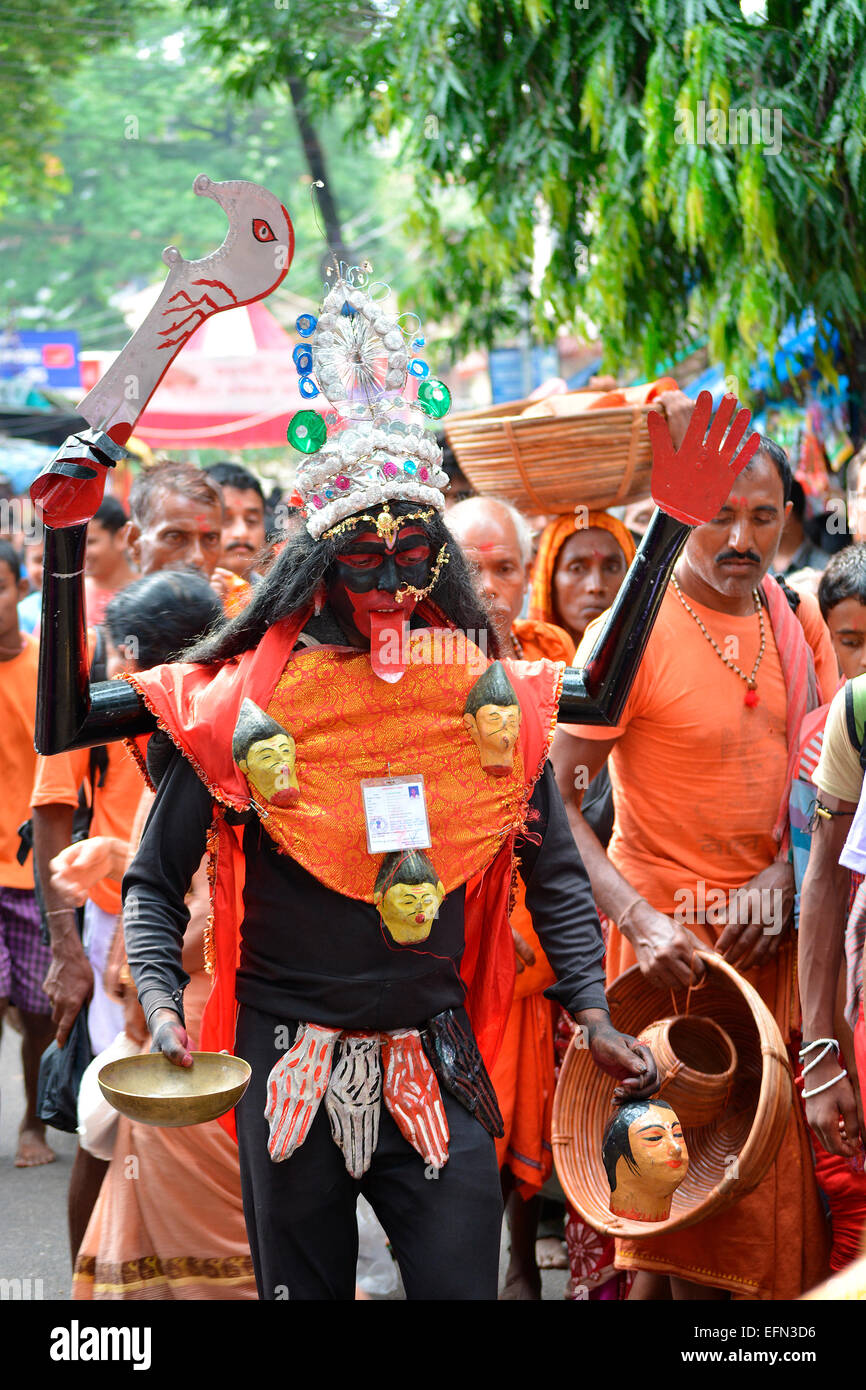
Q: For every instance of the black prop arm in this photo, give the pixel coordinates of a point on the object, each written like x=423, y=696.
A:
x=70, y=712
x=597, y=692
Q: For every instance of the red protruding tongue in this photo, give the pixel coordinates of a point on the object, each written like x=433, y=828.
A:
x=388, y=645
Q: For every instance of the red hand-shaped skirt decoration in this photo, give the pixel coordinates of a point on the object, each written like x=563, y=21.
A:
x=412, y=1096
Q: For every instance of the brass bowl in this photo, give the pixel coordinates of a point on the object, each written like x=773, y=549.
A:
x=153, y=1091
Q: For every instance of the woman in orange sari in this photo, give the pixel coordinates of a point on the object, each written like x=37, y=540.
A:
x=581, y=562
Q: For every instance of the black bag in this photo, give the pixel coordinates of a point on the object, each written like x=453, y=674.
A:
x=60, y=1073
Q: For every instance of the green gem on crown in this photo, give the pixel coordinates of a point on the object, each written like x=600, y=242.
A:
x=434, y=398
x=307, y=431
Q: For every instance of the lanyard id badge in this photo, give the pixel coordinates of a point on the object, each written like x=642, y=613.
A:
x=395, y=813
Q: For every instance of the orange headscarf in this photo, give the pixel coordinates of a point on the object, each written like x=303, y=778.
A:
x=553, y=538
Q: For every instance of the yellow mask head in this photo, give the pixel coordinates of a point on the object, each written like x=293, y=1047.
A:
x=408, y=894
x=491, y=717
x=265, y=753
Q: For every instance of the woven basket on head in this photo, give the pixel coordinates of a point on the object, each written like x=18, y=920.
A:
x=727, y=1157
x=552, y=464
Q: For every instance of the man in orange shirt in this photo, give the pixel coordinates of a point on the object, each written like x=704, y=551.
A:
x=497, y=541
x=699, y=768
x=24, y=958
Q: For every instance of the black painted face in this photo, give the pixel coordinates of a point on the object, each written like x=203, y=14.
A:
x=369, y=571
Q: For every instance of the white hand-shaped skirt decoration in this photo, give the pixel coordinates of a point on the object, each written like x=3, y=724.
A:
x=353, y=1100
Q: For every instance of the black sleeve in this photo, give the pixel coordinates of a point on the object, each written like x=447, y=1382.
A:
x=155, y=915
x=560, y=902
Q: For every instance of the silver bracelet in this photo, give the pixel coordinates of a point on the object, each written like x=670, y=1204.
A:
x=807, y=1095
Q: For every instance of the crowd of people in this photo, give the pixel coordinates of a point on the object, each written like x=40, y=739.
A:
x=736, y=764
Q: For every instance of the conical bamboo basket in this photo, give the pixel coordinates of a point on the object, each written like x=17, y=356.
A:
x=728, y=1157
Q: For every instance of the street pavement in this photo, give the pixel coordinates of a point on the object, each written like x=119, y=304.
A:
x=33, y=1236
x=33, y=1239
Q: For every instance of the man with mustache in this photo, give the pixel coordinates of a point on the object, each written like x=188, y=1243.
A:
x=699, y=768
x=243, y=531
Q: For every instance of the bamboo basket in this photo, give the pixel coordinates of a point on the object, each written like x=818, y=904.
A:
x=729, y=1156
x=551, y=464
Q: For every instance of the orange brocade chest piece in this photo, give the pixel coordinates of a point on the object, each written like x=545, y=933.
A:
x=348, y=725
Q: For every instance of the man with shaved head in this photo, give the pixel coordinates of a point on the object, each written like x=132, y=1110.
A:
x=497, y=541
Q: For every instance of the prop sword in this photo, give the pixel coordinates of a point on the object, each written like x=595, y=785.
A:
x=251, y=262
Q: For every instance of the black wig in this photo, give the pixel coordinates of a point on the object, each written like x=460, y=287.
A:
x=304, y=564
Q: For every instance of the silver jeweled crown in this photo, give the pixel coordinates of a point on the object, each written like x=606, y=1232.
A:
x=374, y=445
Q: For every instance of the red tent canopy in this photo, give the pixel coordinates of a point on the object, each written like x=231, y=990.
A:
x=234, y=386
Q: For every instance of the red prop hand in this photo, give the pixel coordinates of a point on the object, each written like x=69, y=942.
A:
x=296, y=1086
x=412, y=1095
x=691, y=483
x=69, y=489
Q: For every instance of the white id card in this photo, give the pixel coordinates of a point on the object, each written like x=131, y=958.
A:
x=395, y=810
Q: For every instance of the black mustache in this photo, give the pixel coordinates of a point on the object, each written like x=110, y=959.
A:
x=735, y=555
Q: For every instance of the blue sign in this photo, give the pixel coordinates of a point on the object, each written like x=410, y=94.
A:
x=514, y=372
x=46, y=359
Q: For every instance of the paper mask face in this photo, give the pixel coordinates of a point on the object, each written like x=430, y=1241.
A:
x=408, y=895
x=494, y=730
x=408, y=911
x=265, y=753
x=645, y=1158
x=491, y=717
x=270, y=767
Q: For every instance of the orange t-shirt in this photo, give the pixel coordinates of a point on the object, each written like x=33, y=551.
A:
x=697, y=775
x=537, y=640
x=17, y=718
x=57, y=781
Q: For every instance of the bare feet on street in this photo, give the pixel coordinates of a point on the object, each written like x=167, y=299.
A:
x=32, y=1149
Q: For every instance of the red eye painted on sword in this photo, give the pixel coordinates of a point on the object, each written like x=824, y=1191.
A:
x=261, y=230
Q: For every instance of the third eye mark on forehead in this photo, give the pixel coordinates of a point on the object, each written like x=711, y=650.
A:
x=368, y=543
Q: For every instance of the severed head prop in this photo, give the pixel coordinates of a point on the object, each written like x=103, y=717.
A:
x=265, y=753
x=492, y=717
x=408, y=893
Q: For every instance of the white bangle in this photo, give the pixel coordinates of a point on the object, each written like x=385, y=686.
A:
x=807, y=1095
x=816, y=1043
x=831, y=1045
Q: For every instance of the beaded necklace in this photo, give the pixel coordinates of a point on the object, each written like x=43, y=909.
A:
x=751, y=698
